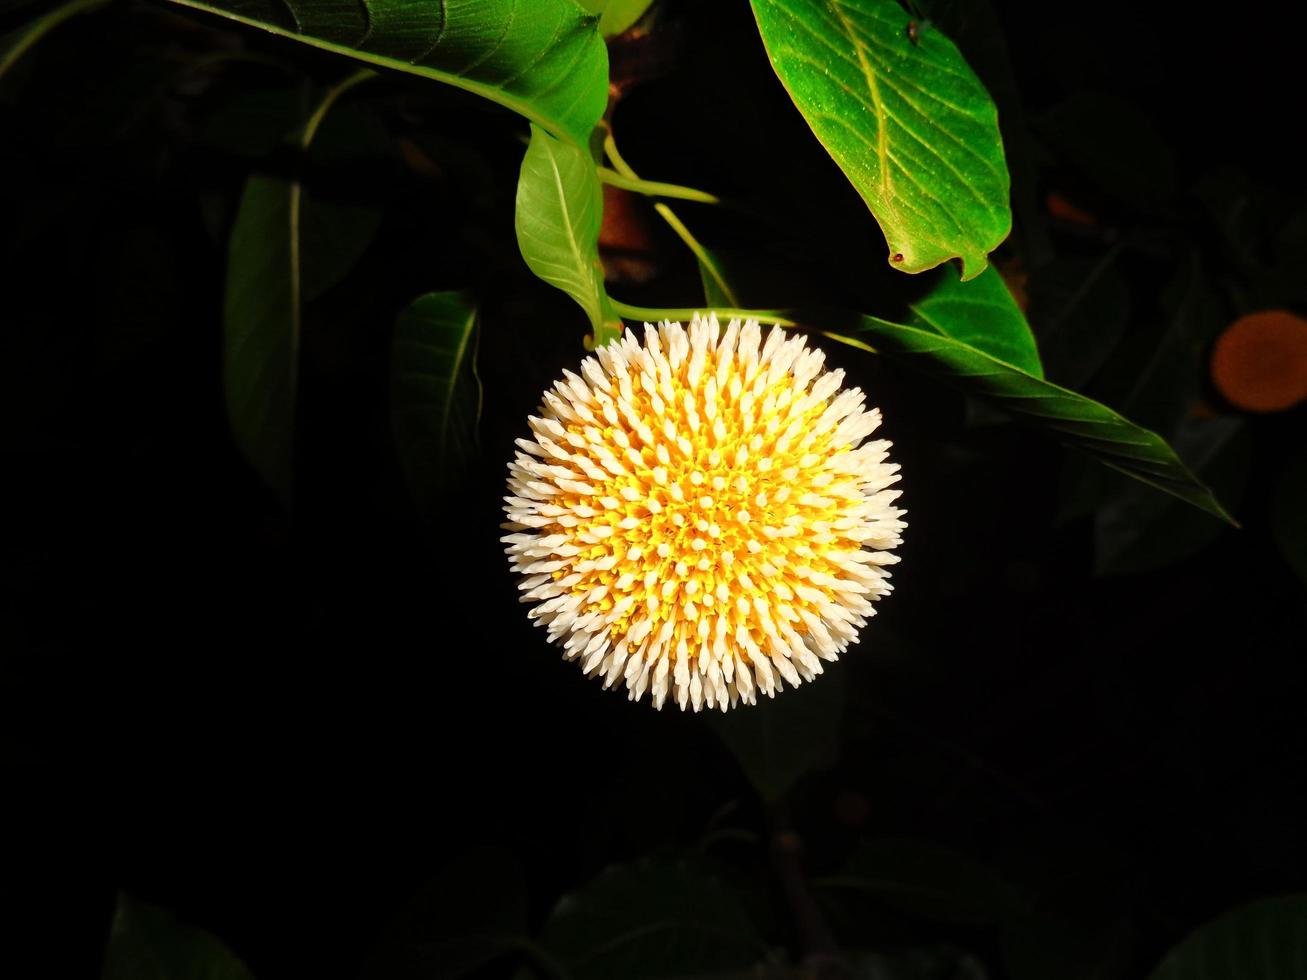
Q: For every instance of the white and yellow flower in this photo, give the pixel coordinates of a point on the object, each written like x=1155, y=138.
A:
x=700, y=515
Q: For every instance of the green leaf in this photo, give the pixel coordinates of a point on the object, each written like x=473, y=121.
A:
x=981, y=313
x=472, y=913
x=261, y=318
x=334, y=237
x=1289, y=515
x=651, y=920
x=559, y=210
x=1136, y=530
x=777, y=741
x=1265, y=940
x=1078, y=421
x=1090, y=127
x=544, y=59
x=147, y=943
x=927, y=880
x=1079, y=308
x=616, y=16
x=719, y=290
x=266, y=288
x=716, y=290
x=708, y=264
x=907, y=121
x=17, y=43
x=435, y=397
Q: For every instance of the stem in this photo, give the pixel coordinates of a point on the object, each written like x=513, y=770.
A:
x=654, y=314
x=42, y=26
x=655, y=188
x=814, y=933
x=329, y=100
x=668, y=215
x=295, y=198
x=850, y=341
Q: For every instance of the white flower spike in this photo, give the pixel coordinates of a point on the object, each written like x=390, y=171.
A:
x=699, y=515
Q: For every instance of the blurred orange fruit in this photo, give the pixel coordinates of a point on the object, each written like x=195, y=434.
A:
x=1260, y=363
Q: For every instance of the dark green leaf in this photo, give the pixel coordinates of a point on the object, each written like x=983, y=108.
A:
x=16, y=43
x=931, y=963
x=473, y=912
x=1156, y=373
x=777, y=740
x=927, y=880
x=651, y=920
x=335, y=233
x=253, y=124
x=543, y=59
x=1266, y=940
x=1078, y=421
x=559, y=210
x=333, y=237
x=147, y=943
x=906, y=120
x=1137, y=530
x=266, y=288
x=1079, y=308
x=261, y=320
x=1289, y=515
x=717, y=292
x=981, y=313
x=1090, y=128
x=434, y=393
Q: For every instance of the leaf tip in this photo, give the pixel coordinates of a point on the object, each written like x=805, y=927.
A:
x=973, y=266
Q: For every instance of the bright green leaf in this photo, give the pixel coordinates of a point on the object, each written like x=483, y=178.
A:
x=778, y=740
x=1266, y=940
x=651, y=920
x=981, y=313
x=148, y=943
x=616, y=16
x=906, y=120
x=435, y=396
x=620, y=15
x=544, y=59
x=1078, y=421
x=559, y=210
x=266, y=288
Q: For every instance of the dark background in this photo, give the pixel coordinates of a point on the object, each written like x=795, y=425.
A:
x=280, y=727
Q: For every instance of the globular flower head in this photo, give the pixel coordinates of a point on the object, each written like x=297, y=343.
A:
x=701, y=515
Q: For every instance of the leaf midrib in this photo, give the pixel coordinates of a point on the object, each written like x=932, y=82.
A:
x=447, y=409
x=873, y=88
x=568, y=225
x=486, y=91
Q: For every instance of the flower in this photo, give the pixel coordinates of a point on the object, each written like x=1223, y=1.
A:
x=699, y=515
